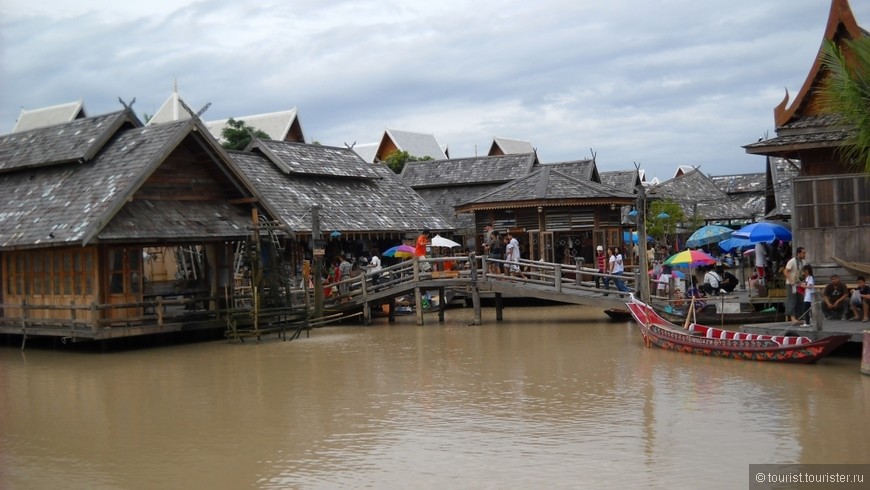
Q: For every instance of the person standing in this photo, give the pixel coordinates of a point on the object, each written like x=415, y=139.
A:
x=808, y=284
x=490, y=248
x=760, y=260
x=422, y=243
x=792, y=278
x=601, y=260
x=512, y=255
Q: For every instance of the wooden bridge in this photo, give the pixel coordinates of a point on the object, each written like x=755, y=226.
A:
x=472, y=278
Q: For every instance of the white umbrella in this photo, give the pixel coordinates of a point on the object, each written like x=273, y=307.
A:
x=439, y=241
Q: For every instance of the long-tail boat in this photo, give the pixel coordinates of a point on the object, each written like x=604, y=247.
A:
x=710, y=341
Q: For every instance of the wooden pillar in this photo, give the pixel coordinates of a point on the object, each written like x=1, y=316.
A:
x=391, y=310
x=498, y=308
x=367, y=308
x=442, y=304
x=475, y=293
x=557, y=277
x=418, y=296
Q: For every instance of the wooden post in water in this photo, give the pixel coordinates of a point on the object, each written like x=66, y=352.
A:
x=367, y=308
x=642, y=285
x=442, y=304
x=499, y=316
x=475, y=293
x=865, y=354
x=418, y=297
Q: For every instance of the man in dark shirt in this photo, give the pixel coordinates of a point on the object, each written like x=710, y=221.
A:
x=834, y=299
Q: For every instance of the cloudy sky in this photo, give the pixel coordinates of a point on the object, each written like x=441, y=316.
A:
x=665, y=83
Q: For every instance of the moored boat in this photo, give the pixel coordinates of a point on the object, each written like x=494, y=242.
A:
x=709, y=316
x=711, y=341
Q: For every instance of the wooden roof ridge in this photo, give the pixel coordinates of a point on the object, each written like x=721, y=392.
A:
x=841, y=26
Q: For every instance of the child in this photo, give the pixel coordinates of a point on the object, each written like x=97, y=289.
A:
x=808, y=284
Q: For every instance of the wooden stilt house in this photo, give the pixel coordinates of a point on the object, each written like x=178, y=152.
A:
x=88, y=208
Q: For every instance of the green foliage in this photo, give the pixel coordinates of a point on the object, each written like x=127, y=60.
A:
x=663, y=228
x=846, y=91
x=238, y=135
x=396, y=160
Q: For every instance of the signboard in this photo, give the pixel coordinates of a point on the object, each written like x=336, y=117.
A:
x=319, y=252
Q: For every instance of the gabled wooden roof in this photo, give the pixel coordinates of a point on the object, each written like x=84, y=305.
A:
x=280, y=126
x=416, y=144
x=75, y=141
x=546, y=185
x=579, y=169
x=370, y=205
x=507, y=146
x=841, y=27
x=624, y=180
x=49, y=116
x=694, y=191
x=468, y=171
x=80, y=203
x=299, y=158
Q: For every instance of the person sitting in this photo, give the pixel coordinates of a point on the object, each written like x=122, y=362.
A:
x=695, y=294
x=729, y=280
x=712, y=281
x=860, y=300
x=834, y=299
x=664, y=282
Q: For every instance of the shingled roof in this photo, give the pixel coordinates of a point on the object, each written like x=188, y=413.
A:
x=546, y=184
x=299, y=158
x=76, y=204
x=696, y=192
x=49, y=116
x=468, y=171
x=76, y=141
x=579, y=169
x=381, y=204
x=624, y=180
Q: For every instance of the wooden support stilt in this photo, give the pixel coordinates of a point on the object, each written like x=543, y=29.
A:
x=442, y=304
x=391, y=310
x=418, y=301
x=499, y=316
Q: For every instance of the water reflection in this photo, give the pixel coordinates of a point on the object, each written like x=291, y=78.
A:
x=541, y=399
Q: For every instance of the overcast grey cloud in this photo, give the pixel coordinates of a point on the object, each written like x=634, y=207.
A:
x=667, y=83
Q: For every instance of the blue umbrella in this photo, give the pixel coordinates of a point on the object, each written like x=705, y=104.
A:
x=734, y=242
x=708, y=234
x=763, y=232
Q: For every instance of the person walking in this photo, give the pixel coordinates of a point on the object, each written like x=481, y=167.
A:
x=618, y=270
x=512, y=255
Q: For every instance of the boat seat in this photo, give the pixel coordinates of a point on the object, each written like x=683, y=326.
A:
x=713, y=333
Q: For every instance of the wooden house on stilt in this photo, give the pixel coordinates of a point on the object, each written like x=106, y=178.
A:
x=91, y=209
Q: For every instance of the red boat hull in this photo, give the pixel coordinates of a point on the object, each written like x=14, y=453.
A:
x=660, y=332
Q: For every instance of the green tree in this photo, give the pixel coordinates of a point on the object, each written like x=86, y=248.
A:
x=396, y=160
x=664, y=216
x=846, y=91
x=238, y=135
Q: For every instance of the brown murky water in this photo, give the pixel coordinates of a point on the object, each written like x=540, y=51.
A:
x=544, y=399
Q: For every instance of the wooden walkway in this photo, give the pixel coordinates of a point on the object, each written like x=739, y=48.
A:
x=470, y=276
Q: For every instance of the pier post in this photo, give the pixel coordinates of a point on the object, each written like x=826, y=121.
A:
x=498, y=308
x=475, y=293
x=442, y=304
x=865, y=354
x=418, y=297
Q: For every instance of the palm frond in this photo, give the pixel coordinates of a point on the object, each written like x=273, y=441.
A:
x=846, y=92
